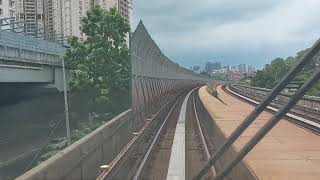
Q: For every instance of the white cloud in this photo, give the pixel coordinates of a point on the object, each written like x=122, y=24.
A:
x=236, y=26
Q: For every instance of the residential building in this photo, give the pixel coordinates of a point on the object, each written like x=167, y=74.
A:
x=242, y=68
x=36, y=18
x=67, y=15
x=48, y=20
x=30, y=12
x=124, y=8
x=251, y=69
x=7, y=13
x=56, y=19
x=72, y=11
x=7, y=8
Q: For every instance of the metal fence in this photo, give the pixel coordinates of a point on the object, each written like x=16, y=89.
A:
x=16, y=40
x=155, y=78
x=21, y=48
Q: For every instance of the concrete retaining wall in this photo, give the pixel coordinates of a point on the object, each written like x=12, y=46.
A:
x=216, y=138
x=83, y=158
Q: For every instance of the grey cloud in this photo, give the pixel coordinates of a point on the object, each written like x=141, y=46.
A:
x=247, y=31
x=169, y=15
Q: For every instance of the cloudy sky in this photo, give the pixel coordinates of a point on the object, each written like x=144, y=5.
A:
x=254, y=32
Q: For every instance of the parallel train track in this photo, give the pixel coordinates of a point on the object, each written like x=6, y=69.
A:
x=155, y=161
x=295, y=116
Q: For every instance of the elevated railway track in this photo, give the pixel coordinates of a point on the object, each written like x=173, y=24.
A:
x=305, y=116
x=177, y=148
x=172, y=132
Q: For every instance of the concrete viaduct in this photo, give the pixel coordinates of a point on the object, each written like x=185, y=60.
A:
x=24, y=59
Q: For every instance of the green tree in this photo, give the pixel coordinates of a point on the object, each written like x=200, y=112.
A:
x=100, y=64
x=273, y=72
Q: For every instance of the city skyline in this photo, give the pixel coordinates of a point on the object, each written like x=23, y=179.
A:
x=248, y=67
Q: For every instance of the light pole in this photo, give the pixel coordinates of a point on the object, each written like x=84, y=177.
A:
x=66, y=105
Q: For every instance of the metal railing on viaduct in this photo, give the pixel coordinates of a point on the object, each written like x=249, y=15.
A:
x=25, y=59
x=18, y=49
x=155, y=80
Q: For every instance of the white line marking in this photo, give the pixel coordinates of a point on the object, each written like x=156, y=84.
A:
x=176, y=169
x=144, y=160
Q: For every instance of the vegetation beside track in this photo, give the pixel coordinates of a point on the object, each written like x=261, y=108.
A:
x=273, y=72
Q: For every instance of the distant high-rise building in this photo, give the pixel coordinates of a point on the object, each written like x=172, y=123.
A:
x=48, y=20
x=124, y=8
x=216, y=65
x=208, y=68
x=7, y=13
x=228, y=67
x=251, y=69
x=7, y=8
x=72, y=11
x=30, y=12
x=37, y=17
x=242, y=68
x=56, y=19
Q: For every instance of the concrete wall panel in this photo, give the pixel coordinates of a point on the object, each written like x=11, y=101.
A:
x=82, y=159
x=9, y=73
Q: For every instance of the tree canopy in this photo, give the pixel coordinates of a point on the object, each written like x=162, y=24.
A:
x=100, y=63
x=273, y=72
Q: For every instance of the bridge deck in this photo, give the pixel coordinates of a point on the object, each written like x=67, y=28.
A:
x=287, y=152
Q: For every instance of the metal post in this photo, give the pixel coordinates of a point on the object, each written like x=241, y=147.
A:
x=66, y=107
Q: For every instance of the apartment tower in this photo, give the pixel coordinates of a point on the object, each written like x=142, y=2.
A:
x=7, y=8
x=56, y=20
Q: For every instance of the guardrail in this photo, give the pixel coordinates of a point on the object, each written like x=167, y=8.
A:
x=15, y=40
x=26, y=49
x=307, y=103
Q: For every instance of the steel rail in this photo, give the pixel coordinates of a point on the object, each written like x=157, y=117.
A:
x=155, y=139
x=132, y=142
x=296, y=119
x=260, y=108
x=257, y=92
x=269, y=125
x=213, y=170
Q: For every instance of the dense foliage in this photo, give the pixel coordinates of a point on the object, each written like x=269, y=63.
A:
x=100, y=63
x=273, y=72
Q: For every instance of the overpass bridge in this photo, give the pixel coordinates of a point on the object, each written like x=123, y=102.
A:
x=25, y=59
x=179, y=129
